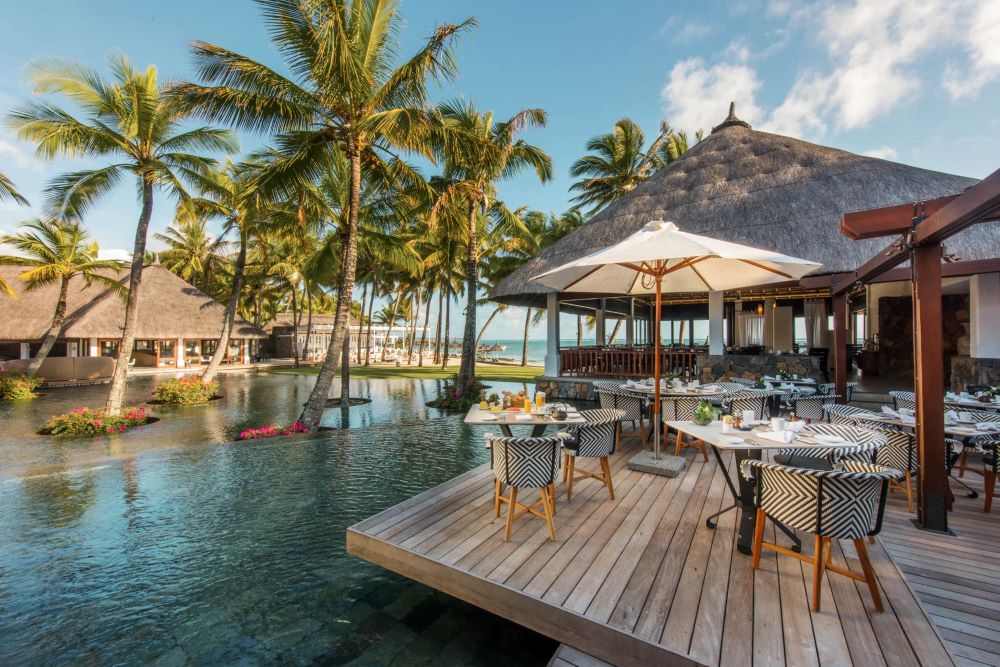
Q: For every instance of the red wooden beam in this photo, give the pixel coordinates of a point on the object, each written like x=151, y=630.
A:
x=888, y=220
x=979, y=203
x=933, y=492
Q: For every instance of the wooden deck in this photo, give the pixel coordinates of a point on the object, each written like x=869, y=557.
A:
x=642, y=580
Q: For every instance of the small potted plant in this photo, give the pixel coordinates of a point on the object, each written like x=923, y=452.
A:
x=987, y=396
x=704, y=413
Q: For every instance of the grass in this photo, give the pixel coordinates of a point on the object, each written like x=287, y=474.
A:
x=498, y=373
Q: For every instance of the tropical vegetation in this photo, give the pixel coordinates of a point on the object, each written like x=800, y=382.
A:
x=187, y=390
x=18, y=386
x=88, y=421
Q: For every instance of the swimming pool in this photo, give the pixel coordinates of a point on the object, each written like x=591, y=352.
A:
x=168, y=545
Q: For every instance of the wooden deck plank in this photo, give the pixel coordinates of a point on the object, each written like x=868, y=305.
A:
x=640, y=580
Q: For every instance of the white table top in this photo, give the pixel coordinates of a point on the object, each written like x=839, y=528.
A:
x=787, y=381
x=713, y=435
x=477, y=416
x=670, y=391
x=960, y=430
x=973, y=404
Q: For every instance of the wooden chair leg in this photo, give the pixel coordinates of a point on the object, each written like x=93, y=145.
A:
x=606, y=469
x=909, y=491
x=819, y=565
x=569, y=480
x=961, y=462
x=510, y=513
x=758, y=537
x=866, y=566
x=496, y=498
x=551, y=489
x=547, y=505
x=990, y=485
x=704, y=451
x=565, y=466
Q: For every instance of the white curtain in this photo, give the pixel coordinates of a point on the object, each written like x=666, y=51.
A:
x=749, y=329
x=816, y=320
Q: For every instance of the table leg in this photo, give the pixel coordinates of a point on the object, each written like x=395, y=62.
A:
x=505, y=429
x=538, y=430
x=710, y=521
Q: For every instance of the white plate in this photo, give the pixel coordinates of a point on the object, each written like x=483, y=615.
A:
x=489, y=418
x=730, y=439
x=829, y=439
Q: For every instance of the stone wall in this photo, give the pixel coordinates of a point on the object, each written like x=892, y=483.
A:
x=895, y=344
x=566, y=389
x=720, y=367
x=966, y=371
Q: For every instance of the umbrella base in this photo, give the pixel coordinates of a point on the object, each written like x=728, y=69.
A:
x=666, y=465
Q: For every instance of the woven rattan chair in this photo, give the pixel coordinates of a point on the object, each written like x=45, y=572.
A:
x=812, y=407
x=749, y=399
x=837, y=413
x=634, y=407
x=525, y=463
x=843, y=504
x=743, y=381
x=681, y=408
x=866, y=444
x=905, y=400
x=595, y=439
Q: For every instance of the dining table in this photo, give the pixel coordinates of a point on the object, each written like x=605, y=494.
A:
x=971, y=403
x=538, y=419
x=954, y=429
x=746, y=445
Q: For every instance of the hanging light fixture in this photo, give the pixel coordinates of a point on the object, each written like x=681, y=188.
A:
x=760, y=309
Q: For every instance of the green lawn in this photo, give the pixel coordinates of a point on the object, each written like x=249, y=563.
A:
x=483, y=372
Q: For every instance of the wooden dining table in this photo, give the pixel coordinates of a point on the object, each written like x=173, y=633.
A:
x=750, y=446
x=538, y=420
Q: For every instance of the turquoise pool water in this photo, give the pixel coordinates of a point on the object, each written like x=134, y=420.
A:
x=168, y=545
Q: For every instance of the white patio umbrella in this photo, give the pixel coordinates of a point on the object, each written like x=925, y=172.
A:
x=660, y=257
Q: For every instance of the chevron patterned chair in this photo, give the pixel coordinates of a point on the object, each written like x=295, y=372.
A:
x=749, y=399
x=743, y=381
x=849, y=390
x=844, y=504
x=837, y=413
x=825, y=388
x=525, y=463
x=906, y=400
x=899, y=452
x=681, y=408
x=812, y=407
x=595, y=439
x=632, y=404
x=867, y=443
x=975, y=443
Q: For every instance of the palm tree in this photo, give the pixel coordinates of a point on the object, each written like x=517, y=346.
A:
x=481, y=153
x=618, y=162
x=56, y=251
x=345, y=94
x=133, y=125
x=192, y=253
x=8, y=191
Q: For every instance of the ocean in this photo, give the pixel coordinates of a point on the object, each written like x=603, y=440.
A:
x=536, y=348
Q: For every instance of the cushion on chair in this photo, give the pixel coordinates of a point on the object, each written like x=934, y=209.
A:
x=524, y=462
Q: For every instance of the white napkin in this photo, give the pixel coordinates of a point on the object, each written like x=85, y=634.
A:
x=886, y=410
x=987, y=426
x=906, y=412
x=783, y=436
x=787, y=385
x=795, y=427
x=768, y=385
x=809, y=380
x=523, y=418
x=631, y=383
x=950, y=417
x=951, y=396
x=908, y=419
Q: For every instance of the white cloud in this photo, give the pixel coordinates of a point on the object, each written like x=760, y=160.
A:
x=982, y=36
x=883, y=152
x=696, y=94
x=13, y=152
x=689, y=31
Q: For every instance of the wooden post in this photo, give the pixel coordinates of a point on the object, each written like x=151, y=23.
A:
x=933, y=491
x=840, y=346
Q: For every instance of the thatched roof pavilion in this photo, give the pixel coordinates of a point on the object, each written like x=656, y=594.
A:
x=169, y=308
x=764, y=190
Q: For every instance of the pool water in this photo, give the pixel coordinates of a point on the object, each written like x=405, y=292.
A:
x=169, y=545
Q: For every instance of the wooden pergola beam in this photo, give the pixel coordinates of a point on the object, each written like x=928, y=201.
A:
x=888, y=220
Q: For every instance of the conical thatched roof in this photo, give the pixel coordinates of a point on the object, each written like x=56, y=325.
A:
x=169, y=307
x=763, y=190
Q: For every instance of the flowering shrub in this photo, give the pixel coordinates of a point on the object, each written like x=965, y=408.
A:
x=185, y=391
x=88, y=421
x=271, y=430
x=453, y=398
x=17, y=386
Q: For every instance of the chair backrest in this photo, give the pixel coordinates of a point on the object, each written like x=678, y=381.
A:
x=904, y=399
x=850, y=387
x=845, y=504
x=679, y=408
x=524, y=462
x=749, y=400
x=825, y=388
x=811, y=407
x=607, y=385
x=731, y=387
x=867, y=442
x=616, y=399
x=743, y=381
x=841, y=414
x=900, y=450
x=598, y=436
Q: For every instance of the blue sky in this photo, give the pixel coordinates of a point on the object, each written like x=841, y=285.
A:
x=915, y=82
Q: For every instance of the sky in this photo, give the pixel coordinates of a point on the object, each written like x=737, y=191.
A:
x=914, y=82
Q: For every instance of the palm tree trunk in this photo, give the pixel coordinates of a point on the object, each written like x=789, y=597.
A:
x=423, y=334
x=230, y=317
x=116, y=396
x=295, y=326
x=313, y=411
x=364, y=299
x=489, y=320
x=415, y=310
x=447, y=326
x=53, y=333
x=579, y=331
x=392, y=323
x=437, y=332
x=524, y=348
x=309, y=318
x=345, y=373
x=368, y=343
x=614, y=332
x=467, y=371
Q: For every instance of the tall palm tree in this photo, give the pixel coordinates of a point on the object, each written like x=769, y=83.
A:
x=346, y=93
x=55, y=251
x=618, y=162
x=8, y=191
x=129, y=122
x=481, y=153
x=192, y=253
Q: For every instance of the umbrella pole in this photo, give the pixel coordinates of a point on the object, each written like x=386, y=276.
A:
x=656, y=365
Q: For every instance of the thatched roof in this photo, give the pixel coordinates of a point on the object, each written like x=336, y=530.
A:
x=319, y=320
x=763, y=190
x=169, y=307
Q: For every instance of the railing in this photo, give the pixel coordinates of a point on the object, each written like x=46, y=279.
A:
x=622, y=361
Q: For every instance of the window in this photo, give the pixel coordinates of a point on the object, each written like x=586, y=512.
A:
x=108, y=348
x=799, y=333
